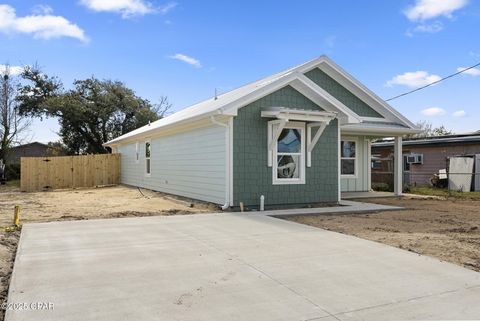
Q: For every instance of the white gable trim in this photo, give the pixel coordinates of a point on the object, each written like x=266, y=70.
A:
x=358, y=89
x=229, y=103
x=274, y=85
x=327, y=100
x=322, y=98
x=305, y=87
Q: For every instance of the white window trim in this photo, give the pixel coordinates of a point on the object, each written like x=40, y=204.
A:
x=137, y=152
x=149, y=158
x=289, y=181
x=355, y=140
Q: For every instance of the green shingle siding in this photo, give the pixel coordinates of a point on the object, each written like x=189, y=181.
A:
x=341, y=93
x=251, y=175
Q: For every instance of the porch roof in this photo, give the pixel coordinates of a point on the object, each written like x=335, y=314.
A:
x=298, y=114
x=378, y=128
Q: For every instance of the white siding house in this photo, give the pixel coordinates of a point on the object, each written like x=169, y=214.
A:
x=190, y=164
x=225, y=150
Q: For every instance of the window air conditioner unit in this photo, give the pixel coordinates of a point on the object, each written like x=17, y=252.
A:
x=419, y=159
x=415, y=159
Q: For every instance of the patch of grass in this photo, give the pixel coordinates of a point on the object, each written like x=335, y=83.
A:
x=430, y=191
x=10, y=186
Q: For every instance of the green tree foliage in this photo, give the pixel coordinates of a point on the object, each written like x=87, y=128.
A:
x=92, y=113
x=57, y=149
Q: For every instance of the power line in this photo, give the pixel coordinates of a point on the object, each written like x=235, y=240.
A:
x=433, y=83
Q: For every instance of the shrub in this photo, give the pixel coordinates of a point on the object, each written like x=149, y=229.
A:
x=382, y=187
x=12, y=172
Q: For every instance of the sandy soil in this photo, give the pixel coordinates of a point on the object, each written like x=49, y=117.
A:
x=446, y=229
x=106, y=202
x=8, y=248
x=117, y=201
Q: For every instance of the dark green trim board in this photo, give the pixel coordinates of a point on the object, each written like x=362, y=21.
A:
x=341, y=93
x=251, y=175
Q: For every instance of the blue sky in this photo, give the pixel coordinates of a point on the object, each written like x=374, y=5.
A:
x=186, y=49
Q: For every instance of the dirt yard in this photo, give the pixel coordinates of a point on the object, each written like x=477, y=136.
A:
x=106, y=202
x=446, y=229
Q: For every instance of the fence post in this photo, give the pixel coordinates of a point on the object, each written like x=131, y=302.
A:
x=16, y=215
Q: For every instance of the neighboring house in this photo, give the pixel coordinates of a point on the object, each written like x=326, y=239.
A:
x=423, y=157
x=34, y=149
x=297, y=137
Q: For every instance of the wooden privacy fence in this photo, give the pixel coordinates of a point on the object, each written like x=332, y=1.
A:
x=47, y=173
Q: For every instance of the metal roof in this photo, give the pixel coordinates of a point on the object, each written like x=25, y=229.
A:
x=206, y=107
x=227, y=103
x=450, y=139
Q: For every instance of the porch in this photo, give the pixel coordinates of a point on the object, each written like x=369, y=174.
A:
x=355, y=167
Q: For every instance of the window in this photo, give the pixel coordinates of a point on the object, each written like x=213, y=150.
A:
x=147, y=158
x=289, y=159
x=137, y=154
x=406, y=163
x=377, y=164
x=348, y=158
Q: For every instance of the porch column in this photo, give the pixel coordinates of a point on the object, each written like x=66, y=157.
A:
x=398, y=166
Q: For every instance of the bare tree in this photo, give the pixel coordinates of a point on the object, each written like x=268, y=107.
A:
x=162, y=108
x=429, y=131
x=12, y=125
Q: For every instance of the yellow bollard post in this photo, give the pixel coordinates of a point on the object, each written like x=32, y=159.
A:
x=16, y=215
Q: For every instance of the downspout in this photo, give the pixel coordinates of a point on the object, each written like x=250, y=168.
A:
x=227, y=162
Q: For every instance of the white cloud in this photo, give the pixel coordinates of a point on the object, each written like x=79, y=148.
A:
x=127, y=8
x=435, y=27
x=413, y=79
x=459, y=113
x=167, y=8
x=13, y=70
x=433, y=112
x=42, y=9
x=189, y=60
x=428, y=9
x=472, y=72
x=41, y=26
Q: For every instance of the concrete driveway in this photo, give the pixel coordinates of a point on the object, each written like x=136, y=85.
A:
x=227, y=267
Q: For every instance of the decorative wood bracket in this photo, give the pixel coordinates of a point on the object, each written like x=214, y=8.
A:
x=311, y=142
x=275, y=128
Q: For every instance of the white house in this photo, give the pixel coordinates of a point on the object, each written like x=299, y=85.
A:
x=298, y=137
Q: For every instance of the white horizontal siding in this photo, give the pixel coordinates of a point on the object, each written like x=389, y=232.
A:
x=190, y=164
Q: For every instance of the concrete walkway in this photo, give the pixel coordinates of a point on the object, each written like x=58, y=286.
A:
x=375, y=194
x=344, y=208
x=369, y=194
x=228, y=267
